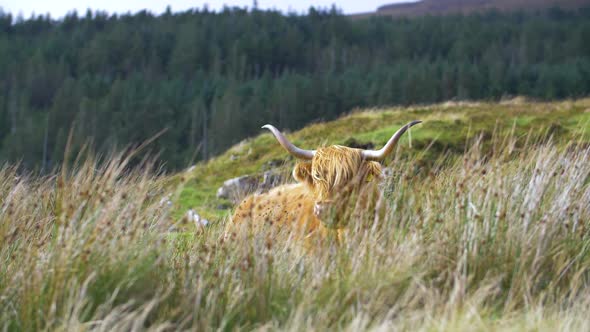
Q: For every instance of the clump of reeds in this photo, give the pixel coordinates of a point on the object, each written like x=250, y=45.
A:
x=496, y=239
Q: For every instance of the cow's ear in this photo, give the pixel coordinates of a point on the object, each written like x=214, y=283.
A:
x=374, y=169
x=302, y=172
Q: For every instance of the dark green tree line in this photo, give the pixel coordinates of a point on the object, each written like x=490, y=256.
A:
x=213, y=78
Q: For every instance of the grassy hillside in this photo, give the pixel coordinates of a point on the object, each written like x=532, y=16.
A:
x=446, y=128
x=445, y=7
x=488, y=234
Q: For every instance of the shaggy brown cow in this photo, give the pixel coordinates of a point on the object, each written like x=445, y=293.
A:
x=327, y=178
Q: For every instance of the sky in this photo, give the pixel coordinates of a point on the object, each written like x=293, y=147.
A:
x=58, y=8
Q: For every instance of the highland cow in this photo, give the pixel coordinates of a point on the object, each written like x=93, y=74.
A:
x=329, y=180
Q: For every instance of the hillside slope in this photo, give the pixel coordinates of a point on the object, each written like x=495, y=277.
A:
x=446, y=129
x=443, y=7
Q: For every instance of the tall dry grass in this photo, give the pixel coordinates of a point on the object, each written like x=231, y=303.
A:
x=493, y=240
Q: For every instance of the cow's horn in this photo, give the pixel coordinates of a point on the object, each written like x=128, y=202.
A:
x=295, y=151
x=378, y=155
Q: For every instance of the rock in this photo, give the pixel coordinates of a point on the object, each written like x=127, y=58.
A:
x=237, y=188
x=270, y=180
x=234, y=189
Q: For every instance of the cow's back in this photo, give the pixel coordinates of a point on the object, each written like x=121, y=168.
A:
x=289, y=205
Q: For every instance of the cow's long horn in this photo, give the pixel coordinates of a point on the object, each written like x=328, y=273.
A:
x=295, y=151
x=378, y=155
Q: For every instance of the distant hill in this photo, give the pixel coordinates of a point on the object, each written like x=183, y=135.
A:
x=443, y=7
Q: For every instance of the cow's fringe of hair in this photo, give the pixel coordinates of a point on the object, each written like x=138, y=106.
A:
x=334, y=167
